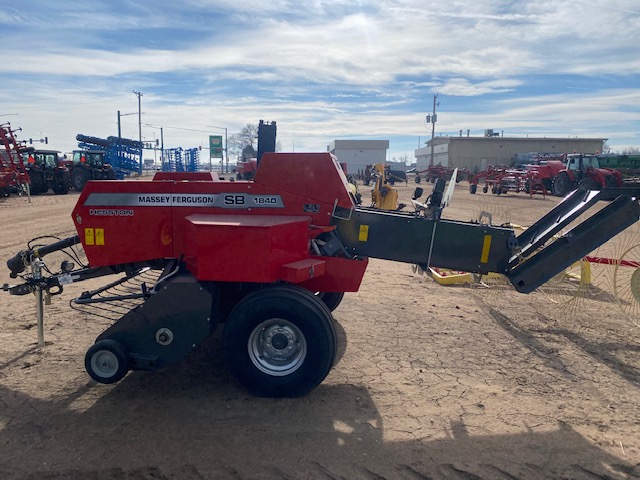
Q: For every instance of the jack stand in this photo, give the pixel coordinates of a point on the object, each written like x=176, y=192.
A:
x=36, y=268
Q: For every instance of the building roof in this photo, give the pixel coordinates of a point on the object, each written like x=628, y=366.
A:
x=445, y=139
x=359, y=144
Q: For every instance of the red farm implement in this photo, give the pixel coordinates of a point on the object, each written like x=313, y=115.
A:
x=13, y=175
x=433, y=172
x=499, y=180
x=269, y=259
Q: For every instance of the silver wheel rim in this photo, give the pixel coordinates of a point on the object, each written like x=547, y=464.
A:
x=277, y=347
x=104, y=363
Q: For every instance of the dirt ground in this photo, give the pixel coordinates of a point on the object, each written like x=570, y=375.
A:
x=451, y=382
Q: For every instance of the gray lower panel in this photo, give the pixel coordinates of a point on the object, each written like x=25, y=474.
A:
x=407, y=238
x=167, y=326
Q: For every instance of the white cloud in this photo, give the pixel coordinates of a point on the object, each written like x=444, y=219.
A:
x=324, y=69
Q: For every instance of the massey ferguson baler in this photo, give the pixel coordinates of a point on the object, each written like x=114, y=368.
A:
x=270, y=259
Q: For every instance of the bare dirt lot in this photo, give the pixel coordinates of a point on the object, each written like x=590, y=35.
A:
x=435, y=381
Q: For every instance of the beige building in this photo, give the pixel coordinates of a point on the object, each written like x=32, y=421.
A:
x=477, y=153
x=357, y=154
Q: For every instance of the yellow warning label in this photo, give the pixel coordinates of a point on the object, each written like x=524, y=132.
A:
x=99, y=236
x=88, y=236
x=486, y=246
x=363, y=235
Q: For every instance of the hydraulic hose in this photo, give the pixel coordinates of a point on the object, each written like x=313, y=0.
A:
x=17, y=264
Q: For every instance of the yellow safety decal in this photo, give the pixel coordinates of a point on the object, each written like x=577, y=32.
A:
x=363, y=235
x=88, y=237
x=99, y=236
x=486, y=246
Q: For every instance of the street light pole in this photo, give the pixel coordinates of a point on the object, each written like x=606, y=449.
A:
x=123, y=115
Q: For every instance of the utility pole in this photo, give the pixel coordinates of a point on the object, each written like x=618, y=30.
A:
x=139, y=94
x=432, y=119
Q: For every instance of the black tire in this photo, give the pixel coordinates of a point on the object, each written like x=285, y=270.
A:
x=107, y=361
x=331, y=299
x=561, y=185
x=610, y=181
x=418, y=179
x=79, y=178
x=588, y=184
x=63, y=184
x=280, y=341
x=485, y=189
x=36, y=183
x=110, y=174
x=473, y=188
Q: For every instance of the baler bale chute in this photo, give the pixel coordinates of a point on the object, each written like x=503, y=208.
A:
x=270, y=259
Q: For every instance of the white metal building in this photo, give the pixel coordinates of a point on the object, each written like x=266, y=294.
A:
x=477, y=153
x=357, y=154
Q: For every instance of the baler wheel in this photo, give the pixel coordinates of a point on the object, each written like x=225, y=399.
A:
x=107, y=361
x=280, y=341
x=331, y=299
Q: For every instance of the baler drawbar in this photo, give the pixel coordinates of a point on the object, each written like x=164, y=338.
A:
x=270, y=259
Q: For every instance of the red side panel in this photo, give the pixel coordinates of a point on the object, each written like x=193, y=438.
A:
x=114, y=228
x=313, y=175
x=243, y=248
x=340, y=275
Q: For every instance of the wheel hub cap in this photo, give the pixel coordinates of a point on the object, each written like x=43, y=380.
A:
x=104, y=363
x=277, y=347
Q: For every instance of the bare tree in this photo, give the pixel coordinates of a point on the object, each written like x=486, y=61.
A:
x=631, y=151
x=243, y=145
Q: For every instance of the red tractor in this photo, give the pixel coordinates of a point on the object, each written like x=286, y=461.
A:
x=270, y=259
x=89, y=165
x=584, y=171
x=46, y=172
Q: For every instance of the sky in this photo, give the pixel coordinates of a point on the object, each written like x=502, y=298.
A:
x=322, y=70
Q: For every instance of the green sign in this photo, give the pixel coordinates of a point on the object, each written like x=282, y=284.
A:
x=215, y=146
